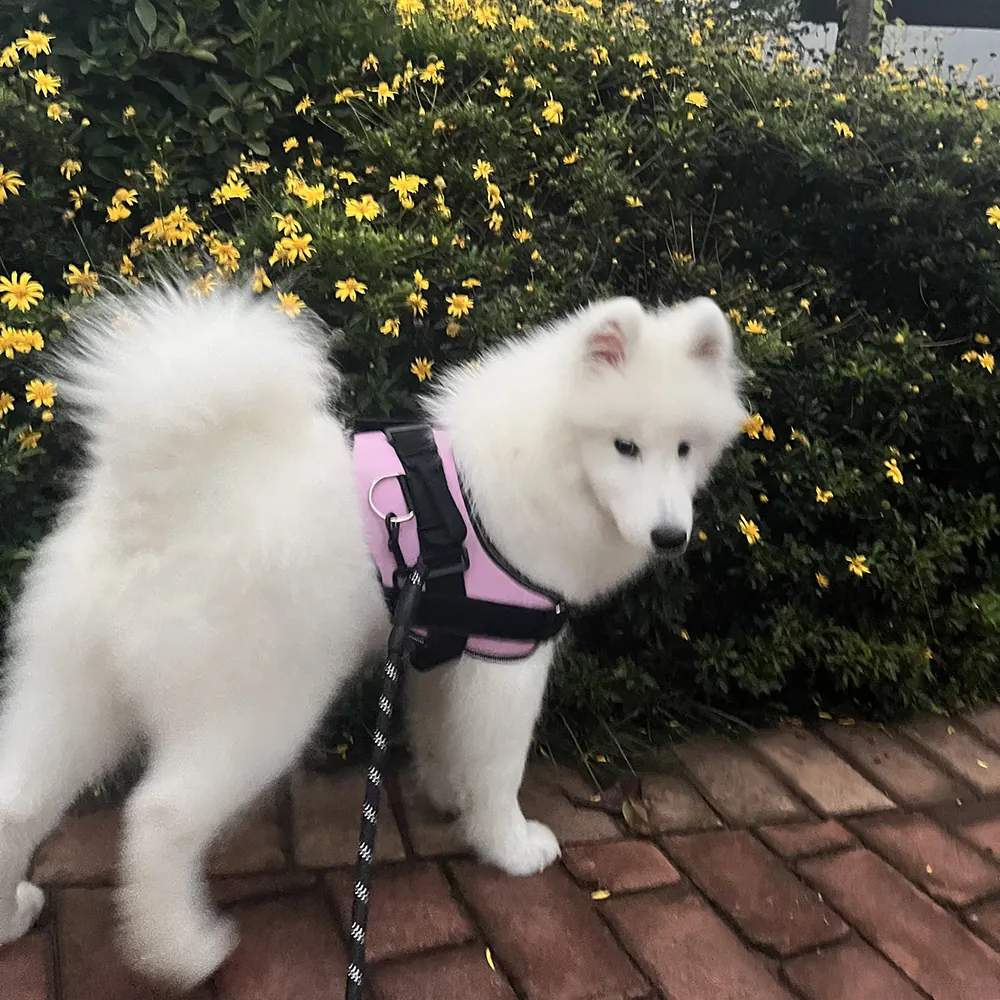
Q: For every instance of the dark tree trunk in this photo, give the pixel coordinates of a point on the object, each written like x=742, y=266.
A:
x=854, y=39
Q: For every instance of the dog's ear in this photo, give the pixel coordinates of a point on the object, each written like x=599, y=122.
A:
x=710, y=335
x=612, y=327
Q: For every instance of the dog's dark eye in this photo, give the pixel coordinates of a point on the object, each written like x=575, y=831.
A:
x=627, y=448
x=684, y=449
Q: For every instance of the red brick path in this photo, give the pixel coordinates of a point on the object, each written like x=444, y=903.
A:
x=853, y=863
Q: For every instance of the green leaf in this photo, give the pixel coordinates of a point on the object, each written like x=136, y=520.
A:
x=216, y=113
x=177, y=92
x=280, y=83
x=146, y=13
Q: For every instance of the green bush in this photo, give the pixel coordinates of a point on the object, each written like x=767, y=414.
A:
x=470, y=169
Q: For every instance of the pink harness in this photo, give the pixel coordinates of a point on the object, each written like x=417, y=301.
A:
x=489, y=611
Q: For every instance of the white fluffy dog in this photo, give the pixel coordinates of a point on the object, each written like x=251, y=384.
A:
x=208, y=589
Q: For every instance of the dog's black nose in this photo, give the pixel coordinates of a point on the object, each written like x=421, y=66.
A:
x=667, y=537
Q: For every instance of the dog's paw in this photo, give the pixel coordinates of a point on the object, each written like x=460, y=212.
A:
x=28, y=903
x=185, y=959
x=525, y=849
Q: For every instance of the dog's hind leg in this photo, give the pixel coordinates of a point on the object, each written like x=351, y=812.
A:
x=60, y=730
x=200, y=779
x=484, y=716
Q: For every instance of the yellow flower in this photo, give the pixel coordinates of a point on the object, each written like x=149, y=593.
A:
x=311, y=194
x=800, y=437
x=823, y=496
x=40, y=393
x=843, y=129
x=452, y=329
x=840, y=98
x=116, y=213
x=572, y=157
x=69, y=168
x=290, y=143
x=10, y=181
x=522, y=235
x=125, y=196
x=304, y=105
x=160, y=174
x=987, y=361
x=225, y=254
x=553, y=111
x=755, y=326
x=260, y=280
x=20, y=291
x=56, y=112
x=697, y=98
x=350, y=288
x=364, y=208
x=28, y=439
x=390, y=327
x=35, y=43
x=483, y=168
x=433, y=72
x=520, y=23
x=420, y=281
x=753, y=425
x=805, y=304
x=993, y=215
x=439, y=125
x=459, y=305
x=347, y=95
x=370, y=62
x=857, y=565
x=768, y=432
x=641, y=59
x=126, y=268
x=128, y=112
x=290, y=304
x=234, y=188
x=493, y=196
x=83, y=281
x=405, y=186
x=9, y=57
x=696, y=38
x=970, y=356
x=633, y=201
x=6, y=403
x=297, y=247
x=417, y=303
x=822, y=581
x=472, y=283
x=503, y=91
x=982, y=104
x=45, y=83
x=893, y=472
x=421, y=367
x=749, y=530
x=531, y=83
x=286, y=224
x=981, y=338
x=384, y=93
x=496, y=221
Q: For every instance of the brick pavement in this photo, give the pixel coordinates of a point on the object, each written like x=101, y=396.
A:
x=843, y=863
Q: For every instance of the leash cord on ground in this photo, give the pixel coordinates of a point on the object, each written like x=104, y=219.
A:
x=406, y=607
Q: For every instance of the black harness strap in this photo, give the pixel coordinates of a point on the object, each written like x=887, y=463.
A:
x=440, y=531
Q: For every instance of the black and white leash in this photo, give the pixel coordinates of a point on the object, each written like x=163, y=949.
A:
x=403, y=616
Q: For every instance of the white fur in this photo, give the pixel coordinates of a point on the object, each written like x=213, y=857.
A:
x=207, y=591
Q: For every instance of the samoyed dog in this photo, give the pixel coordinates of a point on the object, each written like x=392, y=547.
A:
x=208, y=589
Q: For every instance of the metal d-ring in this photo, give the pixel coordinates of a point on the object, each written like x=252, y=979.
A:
x=371, y=503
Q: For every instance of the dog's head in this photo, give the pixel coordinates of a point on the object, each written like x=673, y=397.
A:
x=654, y=398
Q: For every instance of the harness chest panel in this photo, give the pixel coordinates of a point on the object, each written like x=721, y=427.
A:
x=476, y=604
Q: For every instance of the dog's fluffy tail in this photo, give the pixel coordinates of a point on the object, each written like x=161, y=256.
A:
x=152, y=368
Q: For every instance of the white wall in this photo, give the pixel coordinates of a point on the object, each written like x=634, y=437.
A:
x=977, y=48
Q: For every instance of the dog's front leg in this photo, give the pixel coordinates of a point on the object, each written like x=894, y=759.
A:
x=485, y=713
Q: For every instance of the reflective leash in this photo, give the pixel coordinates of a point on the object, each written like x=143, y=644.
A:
x=406, y=606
